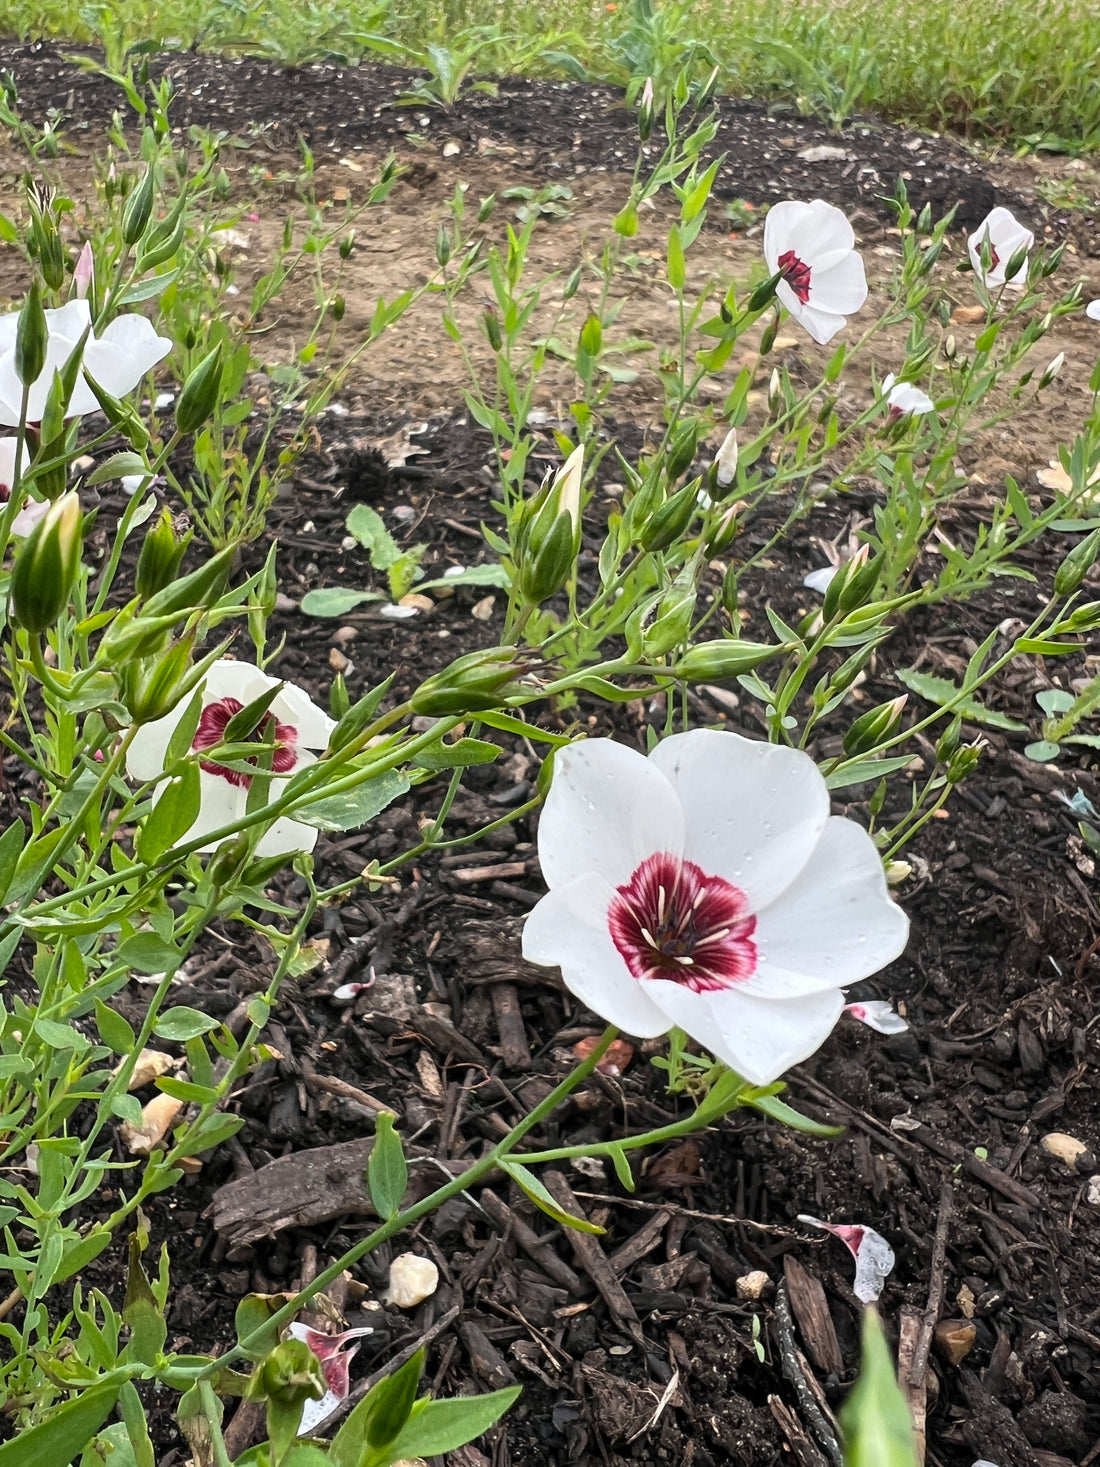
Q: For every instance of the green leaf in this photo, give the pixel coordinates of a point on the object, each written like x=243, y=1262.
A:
x=622, y=1167
x=534, y=1189
x=34, y=863
x=459, y=755
x=864, y=770
x=79, y=1252
x=335, y=600
x=186, y=1091
x=183, y=1023
x=1047, y=646
x=213, y=1131
x=172, y=816
x=367, y=527
x=676, y=270
x=437, y=1427
x=114, y=1030
x=60, y=1036
x=11, y=844
x=493, y=574
x=145, y=290
x=65, y=1432
x=778, y=1110
x=120, y=1452
x=877, y=1427
x=1054, y=700
x=114, y=468
x=355, y=807
x=942, y=691
x=387, y=1172
x=1042, y=751
x=393, y=1402
x=141, y=1312
x=148, y=953
x=253, y=1313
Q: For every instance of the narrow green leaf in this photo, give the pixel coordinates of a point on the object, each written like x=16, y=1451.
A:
x=942, y=691
x=172, y=816
x=778, y=1110
x=877, y=1427
x=335, y=600
x=536, y=1191
x=65, y=1432
x=437, y=1427
x=11, y=844
x=622, y=1167
x=387, y=1172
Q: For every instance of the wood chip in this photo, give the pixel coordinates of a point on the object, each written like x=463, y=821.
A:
x=811, y=1311
x=514, y=1048
x=504, y=870
x=535, y=1247
x=592, y=1259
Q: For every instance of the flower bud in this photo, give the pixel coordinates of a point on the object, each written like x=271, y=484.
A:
x=727, y=658
x=725, y=460
x=681, y=453
x=672, y=519
x=874, y=727
x=139, y=207
x=475, y=683
x=31, y=336
x=949, y=741
x=153, y=686
x=543, y=572
x=202, y=587
x=46, y=566
x=292, y=1374
x=226, y=864
x=645, y=111
x=1017, y=262
x=347, y=244
x=443, y=246
x=852, y=585
x=1051, y=370
x=950, y=348
x=775, y=390
x=200, y=393
x=765, y=292
x=720, y=536
x=160, y=557
x=486, y=207
x=490, y=324
x=338, y=306
x=84, y=273
x=963, y=762
x=548, y=533
x=1077, y=564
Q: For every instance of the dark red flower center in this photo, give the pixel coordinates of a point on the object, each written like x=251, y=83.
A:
x=796, y=273
x=994, y=257
x=671, y=920
x=211, y=731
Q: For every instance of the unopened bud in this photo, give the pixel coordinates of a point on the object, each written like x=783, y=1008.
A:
x=950, y=348
x=681, y=454
x=1051, y=370
x=775, y=390
x=717, y=661
x=153, y=686
x=949, y=741
x=84, y=273
x=475, y=683
x=1077, y=564
x=873, y=728
x=645, y=111
x=725, y=460
x=722, y=534
x=764, y=293
x=486, y=207
x=160, y=557
x=852, y=585
x=490, y=324
x=672, y=519
x=31, y=336
x=292, y=1374
x=139, y=207
x=347, y=244
x=200, y=393
x=46, y=566
x=963, y=762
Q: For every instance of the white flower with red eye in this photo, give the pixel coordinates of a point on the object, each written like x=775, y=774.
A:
x=904, y=399
x=31, y=510
x=335, y=1354
x=1006, y=237
x=708, y=887
x=873, y=1255
x=877, y=1014
x=118, y=359
x=294, y=723
x=813, y=246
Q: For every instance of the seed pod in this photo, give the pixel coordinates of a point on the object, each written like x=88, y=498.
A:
x=200, y=393
x=475, y=683
x=160, y=557
x=31, y=337
x=1077, y=565
x=672, y=519
x=139, y=208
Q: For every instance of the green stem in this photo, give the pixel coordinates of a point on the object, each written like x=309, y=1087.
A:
x=211, y=1411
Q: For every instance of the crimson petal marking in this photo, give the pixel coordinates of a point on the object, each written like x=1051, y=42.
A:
x=673, y=921
x=211, y=732
x=797, y=274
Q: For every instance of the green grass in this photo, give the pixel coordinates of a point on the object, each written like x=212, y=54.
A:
x=1000, y=70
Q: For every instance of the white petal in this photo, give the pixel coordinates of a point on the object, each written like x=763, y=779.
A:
x=609, y=808
x=145, y=758
x=286, y=835
x=840, y=289
x=294, y=705
x=7, y=461
x=70, y=320
x=759, y=1038
x=887, y=382
x=836, y=921
x=780, y=223
x=315, y=1413
x=820, y=580
x=1092, y=310
x=9, y=326
x=220, y=803
x=877, y=1014
x=240, y=680
x=11, y=391
x=822, y=230
x=33, y=510
x=821, y=324
x=568, y=929
x=753, y=812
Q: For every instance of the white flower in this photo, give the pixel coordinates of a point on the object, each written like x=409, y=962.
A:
x=726, y=460
x=708, y=887
x=877, y=1014
x=904, y=399
x=335, y=1353
x=31, y=510
x=1006, y=236
x=873, y=1255
x=1092, y=310
x=228, y=687
x=823, y=280
x=118, y=359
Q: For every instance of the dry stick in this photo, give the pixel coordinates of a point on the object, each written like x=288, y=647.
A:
x=534, y=1246
x=513, y=1035
x=791, y=1358
x=335, y=1086
x=935, y=1289
x=908, y=1334
x=592, y=1258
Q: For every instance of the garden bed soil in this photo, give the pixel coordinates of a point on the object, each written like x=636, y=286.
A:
x=943, y=1151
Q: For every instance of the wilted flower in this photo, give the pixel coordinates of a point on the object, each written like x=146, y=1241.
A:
x=873, y=1255
x=335, y=1353
x=1006, y=237
x=813, y=246
x=118, y=359
x=32, y=510
x=299, y=726
x=707, y=887
x=904, y=399
x=877, y=1014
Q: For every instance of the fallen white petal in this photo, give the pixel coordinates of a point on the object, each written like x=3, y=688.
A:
x=821, y=579
x=877, y=1014
x=873, y=1255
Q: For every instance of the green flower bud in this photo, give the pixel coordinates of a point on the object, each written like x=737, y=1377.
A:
x=547, y=535
x=645, y=111
x=338, y=307
x=717, y=661
x=475, y=683
x=139, y=208
x=721, y=535
x=486, y=207
x=1077, y=564
x=672, y=519
x=226, y=864
x=949, y=741
x=490, y=324
x=200, y=393
x=292, y=1374
x=963, y=762
x=46, y=566
x=347, y=244
x=31, y=336
x=51, y=259
x=852, y=585
x=202, y=587
x=443, y=247
x=1016, y=263
x=874, y=727
x=153, y=686
x=681, y=454
x=765, y=292
x=545, y=572
x=160, y=557
x=767, y=341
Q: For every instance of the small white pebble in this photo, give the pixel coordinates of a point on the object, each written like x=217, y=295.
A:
x=1065, y=1148
x=397, y=613
x=163, y=400
x=349, y=542
x=412, y=1280
x=308, y=528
